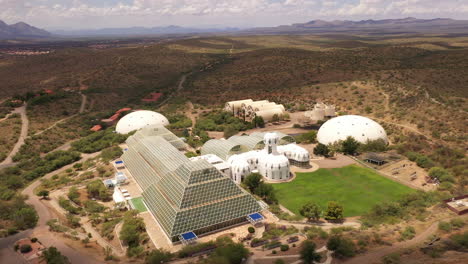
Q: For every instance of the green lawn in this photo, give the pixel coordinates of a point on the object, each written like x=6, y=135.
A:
x=138, y=204
x=356, y=188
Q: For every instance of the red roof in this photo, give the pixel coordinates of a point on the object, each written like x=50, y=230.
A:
x=152, y=97
x=123, y=110
x=114, y=117
x=96, y=128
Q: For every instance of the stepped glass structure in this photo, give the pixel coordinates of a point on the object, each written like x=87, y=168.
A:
x=183, y=196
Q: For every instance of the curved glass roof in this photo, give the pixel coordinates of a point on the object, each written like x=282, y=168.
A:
x=251, y=142
x=222, y=148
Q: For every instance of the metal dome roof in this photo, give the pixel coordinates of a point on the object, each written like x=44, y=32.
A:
x=359, y=127
x=139, y=119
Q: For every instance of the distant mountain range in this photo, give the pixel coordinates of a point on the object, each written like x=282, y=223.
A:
x=385, y=26
x=21, y=30
x=141, y=31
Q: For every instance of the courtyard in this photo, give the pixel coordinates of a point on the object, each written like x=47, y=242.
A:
x=358, y=189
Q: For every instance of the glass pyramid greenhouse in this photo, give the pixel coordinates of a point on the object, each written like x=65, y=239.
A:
x=184, y=195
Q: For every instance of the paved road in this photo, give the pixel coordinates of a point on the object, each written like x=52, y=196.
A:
x=24, y=133
x=41, y=231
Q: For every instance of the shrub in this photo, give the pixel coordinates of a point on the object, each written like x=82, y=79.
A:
x=25, y=248
x=273, y=252
x=284, y=247
x=445, y=226
x=342, y=247
x=393, y=258
x=34, y=239
x=408, y=233
x=251, y=230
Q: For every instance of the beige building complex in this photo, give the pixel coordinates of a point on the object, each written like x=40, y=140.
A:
x=249, y=109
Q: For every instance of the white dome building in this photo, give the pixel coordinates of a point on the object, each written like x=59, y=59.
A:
x=139, y=119
x=360, y=128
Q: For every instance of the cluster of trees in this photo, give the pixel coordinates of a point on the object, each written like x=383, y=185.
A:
x=225, y=252
x=309, y=137
x=96, y=189
x=254, y=183
x=313, y=211
x=52, y=256
x=342, y=247
x=132, y=233
x=98, y=141
x=220, y=120
x=49, y=163
x=178, y=121
x=111, y=153
x=410, y=204
x=350, y=146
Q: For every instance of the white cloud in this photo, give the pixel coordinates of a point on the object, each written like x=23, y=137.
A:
x=105, y=13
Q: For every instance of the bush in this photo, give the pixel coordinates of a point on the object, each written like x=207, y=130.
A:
x=251, y=229
x=158, y=256
x=408, y=233
x=284, y=247
x=341, y=247
x=393, y=258
x=34, y=239
x=322, y=150
x=273, y=252
x=445, y=226
x=25, y=248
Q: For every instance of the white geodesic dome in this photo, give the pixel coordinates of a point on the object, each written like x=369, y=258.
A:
x=359, y=127
x=139, y=119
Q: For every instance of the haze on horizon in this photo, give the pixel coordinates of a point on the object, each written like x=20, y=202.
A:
x=91, y=14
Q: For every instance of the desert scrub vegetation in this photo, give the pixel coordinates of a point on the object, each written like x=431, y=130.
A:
x=10, y=130
x=46, y=109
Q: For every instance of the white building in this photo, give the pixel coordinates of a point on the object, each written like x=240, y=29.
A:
x=249, y=109
x=360, y=128
x=140, y=119
x=269, y=154
x=320, y=112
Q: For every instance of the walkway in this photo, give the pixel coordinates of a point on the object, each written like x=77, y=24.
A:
x=24, y=133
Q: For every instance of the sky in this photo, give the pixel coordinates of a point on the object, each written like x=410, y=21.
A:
x=91, y=14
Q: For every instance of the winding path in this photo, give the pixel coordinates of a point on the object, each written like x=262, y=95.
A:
x=23, y=135
x=41, y=231
x=376, y=255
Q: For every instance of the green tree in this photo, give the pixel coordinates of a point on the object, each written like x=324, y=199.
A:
x=44, y=194
x=266, y=192
x=308, y=253
x=234, y=253
x=252, y=181
x=52, y=256
x=275, y=118
x=258, y=121
x=350, y=146
x=25, y=218
x=334, y=211
x=322, y=150
x=441, y=174
x=74, y=195
x=341, y=247
x=230, y=131
x=158, y=256
x=311, y=211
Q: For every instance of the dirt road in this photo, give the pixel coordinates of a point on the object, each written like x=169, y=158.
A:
x=41, y=231
x=24, y=133
x=375, y=255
